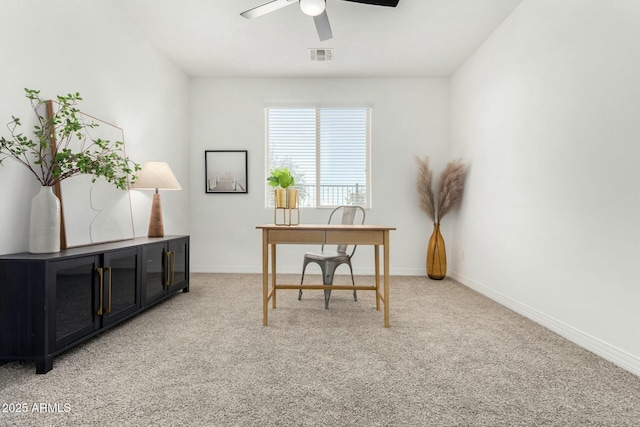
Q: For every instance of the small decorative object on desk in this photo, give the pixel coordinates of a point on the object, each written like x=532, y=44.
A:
x=449, y=196
x=50, y=159
x=286, y=198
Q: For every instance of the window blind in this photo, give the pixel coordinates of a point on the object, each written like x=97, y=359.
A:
x=327, y=150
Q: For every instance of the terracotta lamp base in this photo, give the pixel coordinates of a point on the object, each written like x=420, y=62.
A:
x=156, y=228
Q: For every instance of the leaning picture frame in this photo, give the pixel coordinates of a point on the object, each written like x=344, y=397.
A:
x=93, y=210
x=225, y=171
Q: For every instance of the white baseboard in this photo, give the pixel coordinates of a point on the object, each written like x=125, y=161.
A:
x=603, y=349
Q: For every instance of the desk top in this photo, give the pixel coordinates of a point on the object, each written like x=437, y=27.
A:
x=326, y=227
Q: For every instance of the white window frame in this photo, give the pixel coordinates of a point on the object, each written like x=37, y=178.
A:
x=315, y=200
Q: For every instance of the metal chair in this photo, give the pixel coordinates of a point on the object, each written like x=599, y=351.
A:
x=329, y=260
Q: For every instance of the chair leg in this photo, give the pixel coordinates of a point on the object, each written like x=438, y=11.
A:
x=328, y=280
x=304, y=268
x=353, y=282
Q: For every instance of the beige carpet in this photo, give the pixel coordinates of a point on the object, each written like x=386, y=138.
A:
x=450, y=358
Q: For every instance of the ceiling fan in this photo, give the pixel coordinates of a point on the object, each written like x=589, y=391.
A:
x=314, y=8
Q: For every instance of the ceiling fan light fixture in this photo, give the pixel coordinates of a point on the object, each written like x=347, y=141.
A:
x=312, y=7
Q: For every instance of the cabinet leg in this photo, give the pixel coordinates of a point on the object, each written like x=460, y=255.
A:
x=185, y=290
x=44, y=365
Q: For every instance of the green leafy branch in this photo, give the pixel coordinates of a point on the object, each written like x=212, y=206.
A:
x=48, y=155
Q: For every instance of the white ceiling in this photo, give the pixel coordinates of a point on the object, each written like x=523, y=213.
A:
x=418, y=38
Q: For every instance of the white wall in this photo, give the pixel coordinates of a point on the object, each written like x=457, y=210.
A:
x=89, y=47
x=410, y=117
x=547, y=111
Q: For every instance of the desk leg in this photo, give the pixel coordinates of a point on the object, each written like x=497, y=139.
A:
x=386, y=279
x=273, y=275
x=265, y=278
x=376, y=273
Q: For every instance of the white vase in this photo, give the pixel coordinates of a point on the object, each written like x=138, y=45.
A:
x=44, y=230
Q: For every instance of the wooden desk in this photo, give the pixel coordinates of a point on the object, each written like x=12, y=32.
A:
x=375, y=235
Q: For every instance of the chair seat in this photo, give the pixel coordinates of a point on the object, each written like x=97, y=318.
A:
x=325, y=255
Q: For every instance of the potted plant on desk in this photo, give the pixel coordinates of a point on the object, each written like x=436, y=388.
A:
x=285, y=196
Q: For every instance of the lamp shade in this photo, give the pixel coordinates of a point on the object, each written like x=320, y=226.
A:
x=156, y=176
x=312, y=7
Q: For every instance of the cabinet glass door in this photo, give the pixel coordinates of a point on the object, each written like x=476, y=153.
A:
x=74, y=304
x=120, y=290
x=153, y=273
x=179, y=269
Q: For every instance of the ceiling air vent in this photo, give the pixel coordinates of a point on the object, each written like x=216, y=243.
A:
x=321, y=54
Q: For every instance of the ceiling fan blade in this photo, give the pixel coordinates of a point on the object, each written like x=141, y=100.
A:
x=323, y=26
x=390, y=3
x=267, y=8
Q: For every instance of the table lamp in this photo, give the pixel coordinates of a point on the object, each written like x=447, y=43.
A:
x=156, y=176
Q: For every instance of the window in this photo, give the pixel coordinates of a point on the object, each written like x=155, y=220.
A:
x=326, y=149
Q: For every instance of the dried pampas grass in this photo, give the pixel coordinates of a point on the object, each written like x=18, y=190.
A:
x=451, y=186
x=424, y=181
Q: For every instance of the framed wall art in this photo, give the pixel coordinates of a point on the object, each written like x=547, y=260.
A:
x=94, y=211
x=225, y=171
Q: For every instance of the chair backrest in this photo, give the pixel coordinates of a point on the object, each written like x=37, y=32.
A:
x=350, y=215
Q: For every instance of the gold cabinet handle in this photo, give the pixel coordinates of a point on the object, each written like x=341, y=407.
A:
x=173, y=267
x=100, y=273
x=109, y=302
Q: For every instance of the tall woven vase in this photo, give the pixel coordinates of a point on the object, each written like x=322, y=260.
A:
x=436, y=255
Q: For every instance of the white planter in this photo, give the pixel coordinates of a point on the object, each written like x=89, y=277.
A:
x=44, y=230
